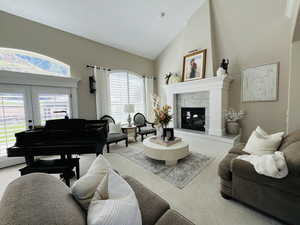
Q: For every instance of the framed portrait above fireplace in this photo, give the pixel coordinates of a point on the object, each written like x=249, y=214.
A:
x=194, y=65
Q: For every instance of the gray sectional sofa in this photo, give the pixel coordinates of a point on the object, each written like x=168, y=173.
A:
x=42, y=199
x=279, y=198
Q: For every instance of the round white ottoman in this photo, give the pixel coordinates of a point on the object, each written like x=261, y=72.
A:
x=170, y=154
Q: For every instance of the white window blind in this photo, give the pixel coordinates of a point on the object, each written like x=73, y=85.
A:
x=126, y=88
x=12, y=119
x=51, y=103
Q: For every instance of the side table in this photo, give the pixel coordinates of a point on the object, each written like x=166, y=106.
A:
x=131, y=132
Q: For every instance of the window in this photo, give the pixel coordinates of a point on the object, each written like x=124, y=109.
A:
x=52, y=106
x=12, y=119
x=126, y=88
x=17, y=60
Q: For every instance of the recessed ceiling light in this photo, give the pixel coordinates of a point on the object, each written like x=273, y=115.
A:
x=162, y=14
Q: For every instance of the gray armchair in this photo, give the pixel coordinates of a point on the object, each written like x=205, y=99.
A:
x=115, y=137
x=142, y=125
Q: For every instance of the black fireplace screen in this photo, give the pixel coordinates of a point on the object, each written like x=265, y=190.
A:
x=193, y=118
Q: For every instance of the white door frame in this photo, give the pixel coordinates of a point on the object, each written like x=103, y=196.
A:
x=4, y=160
x=17, y=78
x=17, y=82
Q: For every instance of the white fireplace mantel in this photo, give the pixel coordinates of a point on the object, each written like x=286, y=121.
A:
x=218, y=88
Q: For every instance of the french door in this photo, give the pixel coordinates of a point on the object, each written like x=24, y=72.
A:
x=22, y=106
x=50, y=103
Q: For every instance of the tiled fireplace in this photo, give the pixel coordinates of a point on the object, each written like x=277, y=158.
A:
x=192, y=109
x=200, y=105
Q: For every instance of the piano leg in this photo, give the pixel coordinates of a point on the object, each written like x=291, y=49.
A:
x=69, y=157
x=66, y=176
x=29, y=159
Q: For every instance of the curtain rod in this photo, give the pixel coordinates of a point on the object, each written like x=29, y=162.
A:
x=98, y=67
x=108, y=69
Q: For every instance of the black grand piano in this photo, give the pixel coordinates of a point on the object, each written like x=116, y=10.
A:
x=63, y=137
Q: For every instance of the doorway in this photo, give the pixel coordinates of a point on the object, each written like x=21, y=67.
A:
x=22, y=106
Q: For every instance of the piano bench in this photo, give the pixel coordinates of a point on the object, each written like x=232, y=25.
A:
x=54, y=166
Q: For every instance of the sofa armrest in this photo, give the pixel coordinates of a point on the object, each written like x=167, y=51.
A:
x=292, y=157
x=238, y=150
x=242, y=168
x=151, y=205
x=171, y=217
x=38, y=198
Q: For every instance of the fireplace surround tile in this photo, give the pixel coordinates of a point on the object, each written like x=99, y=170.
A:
x=217, y=87
x=192, y=100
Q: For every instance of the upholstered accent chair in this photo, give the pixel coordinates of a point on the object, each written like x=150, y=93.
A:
x=114, y=137
x=142, y=125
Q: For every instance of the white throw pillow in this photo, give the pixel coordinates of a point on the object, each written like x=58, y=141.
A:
x=115, y=128
x=84, y=189
x=260, y=143
x=120, y=208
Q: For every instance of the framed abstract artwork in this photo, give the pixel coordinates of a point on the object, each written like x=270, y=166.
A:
x=260, y=83
x=194, y=65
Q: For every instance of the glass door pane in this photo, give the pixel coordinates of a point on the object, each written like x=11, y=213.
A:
x=51, y=103
x=12, y=119
x=53, y=106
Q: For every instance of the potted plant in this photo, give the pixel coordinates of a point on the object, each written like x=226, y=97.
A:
x=232, y=119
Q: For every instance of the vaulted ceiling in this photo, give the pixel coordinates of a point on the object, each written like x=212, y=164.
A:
x=135, y=26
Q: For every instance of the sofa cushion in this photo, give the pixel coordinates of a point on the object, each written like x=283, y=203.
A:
x=37, y=199
x=115, y=128
x=116, y=137
x=121, y=206
x=84, y=189
x=261, y=143
x=147, y=130
x=289, y=139
x=151, y=205
x=171, y=217
x=245, y=170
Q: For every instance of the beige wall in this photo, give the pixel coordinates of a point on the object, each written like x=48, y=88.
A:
x=249, y=33
x=196, y=34
x=16, y=32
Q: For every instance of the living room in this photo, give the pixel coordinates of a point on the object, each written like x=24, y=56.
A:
x=190, y=110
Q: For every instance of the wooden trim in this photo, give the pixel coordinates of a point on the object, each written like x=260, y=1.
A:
x=8, y=77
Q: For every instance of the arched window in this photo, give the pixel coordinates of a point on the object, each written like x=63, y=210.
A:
x=17, y=60
x=126, y=88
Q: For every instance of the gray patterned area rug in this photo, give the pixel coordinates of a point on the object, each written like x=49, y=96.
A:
x=180, y=175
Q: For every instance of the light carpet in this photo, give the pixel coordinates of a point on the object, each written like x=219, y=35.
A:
x=180, y=175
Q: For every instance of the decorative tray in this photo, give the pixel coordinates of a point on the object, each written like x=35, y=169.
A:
x=160, y=141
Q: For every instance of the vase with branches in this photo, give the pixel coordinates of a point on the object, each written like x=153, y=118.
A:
x=162, y=114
